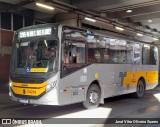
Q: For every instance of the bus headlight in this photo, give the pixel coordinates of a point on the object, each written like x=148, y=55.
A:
x=51, y=85
x=10, y=84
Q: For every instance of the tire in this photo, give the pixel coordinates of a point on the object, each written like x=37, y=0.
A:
x=93, y=97
x=140, y=90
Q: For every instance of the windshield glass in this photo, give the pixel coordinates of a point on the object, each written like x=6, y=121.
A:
x=36, y=56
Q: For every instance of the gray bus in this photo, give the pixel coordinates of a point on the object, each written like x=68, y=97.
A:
x=54, y=64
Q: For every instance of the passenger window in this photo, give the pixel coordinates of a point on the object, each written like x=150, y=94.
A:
x=146, y=54
x=129, y=52
x=108, y=50
x=137, y=53
x=74, y=56
x=154, y=55
x=94, y=55
x=117, y=51
x=73, y=52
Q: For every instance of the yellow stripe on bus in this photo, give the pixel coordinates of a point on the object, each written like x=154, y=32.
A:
x=131, y=78
x=28, y=84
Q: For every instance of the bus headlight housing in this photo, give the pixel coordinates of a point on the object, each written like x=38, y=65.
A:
x=51, y=85
x=10, y=84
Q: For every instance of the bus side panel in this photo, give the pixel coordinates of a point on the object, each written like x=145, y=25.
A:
x=72, y=88
x=114, y=79
x=107, y=75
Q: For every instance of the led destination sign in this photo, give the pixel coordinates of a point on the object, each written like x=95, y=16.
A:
x=35, y=32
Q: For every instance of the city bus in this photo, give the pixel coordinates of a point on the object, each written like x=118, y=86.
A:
x=54, y=64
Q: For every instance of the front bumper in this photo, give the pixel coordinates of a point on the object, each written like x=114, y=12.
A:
x=48, y=98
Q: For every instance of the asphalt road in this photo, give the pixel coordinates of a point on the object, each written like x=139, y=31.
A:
x=116, y=107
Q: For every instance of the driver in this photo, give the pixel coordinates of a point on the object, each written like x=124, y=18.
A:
x=52, y=52
x=52, y=56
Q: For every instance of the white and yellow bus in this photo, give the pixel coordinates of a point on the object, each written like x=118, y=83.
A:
x=53, y=64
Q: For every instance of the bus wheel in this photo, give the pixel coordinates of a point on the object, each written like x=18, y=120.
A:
x=140, y=89
x=93, y=97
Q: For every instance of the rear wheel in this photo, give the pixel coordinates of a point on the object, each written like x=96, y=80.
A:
x=140, y=89
x=93, y=97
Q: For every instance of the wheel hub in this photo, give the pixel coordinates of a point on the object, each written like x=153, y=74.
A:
x=93, y=97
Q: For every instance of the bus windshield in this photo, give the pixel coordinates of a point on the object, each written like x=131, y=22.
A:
x=36, y=56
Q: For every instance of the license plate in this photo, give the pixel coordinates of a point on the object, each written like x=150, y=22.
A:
x=23, y=100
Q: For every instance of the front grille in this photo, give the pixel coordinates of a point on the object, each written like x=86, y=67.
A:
x=28, y=80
